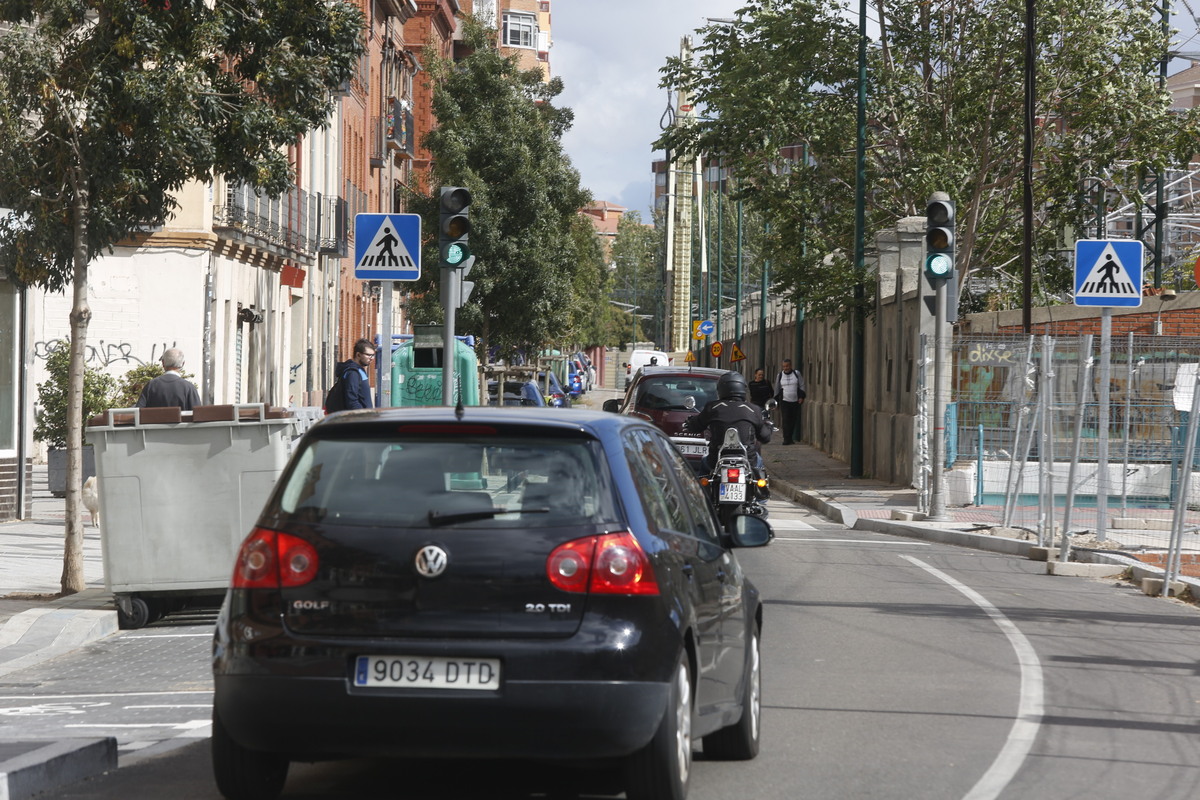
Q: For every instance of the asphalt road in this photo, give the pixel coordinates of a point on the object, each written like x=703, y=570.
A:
x=892, y=669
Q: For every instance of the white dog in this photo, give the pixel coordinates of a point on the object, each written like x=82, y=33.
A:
x=91, y=500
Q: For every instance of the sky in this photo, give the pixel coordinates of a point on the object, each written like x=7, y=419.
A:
x=608, y=55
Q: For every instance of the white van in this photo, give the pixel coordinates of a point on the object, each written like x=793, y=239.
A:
x=644, y=358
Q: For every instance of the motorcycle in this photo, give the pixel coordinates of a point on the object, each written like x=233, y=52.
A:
x=734, y=486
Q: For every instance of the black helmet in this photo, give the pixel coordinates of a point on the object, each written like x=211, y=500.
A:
x=732, y=386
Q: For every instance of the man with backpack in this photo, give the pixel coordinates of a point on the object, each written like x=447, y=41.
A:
x=352, y=387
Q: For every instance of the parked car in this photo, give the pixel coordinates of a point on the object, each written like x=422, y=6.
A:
x=590, y=368
x=575, y=381
x=516, y=393
x=644, y=358
x=667, y=396
x=487, y=584
x=556, y=395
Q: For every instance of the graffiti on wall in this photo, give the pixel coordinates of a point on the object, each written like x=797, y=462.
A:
x=103, y=355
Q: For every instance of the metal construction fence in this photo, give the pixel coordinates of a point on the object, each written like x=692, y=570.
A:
x=1030, y=419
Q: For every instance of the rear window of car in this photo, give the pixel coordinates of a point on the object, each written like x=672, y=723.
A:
x=672, y=391
x=449, y=483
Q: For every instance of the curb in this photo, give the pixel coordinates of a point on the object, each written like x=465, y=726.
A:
x=28, y=768
x=1141, y=572
x=40, y=634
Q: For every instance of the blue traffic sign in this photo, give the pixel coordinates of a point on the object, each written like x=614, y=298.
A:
x=1108, y=273
x=387, y=247
x=707, y=327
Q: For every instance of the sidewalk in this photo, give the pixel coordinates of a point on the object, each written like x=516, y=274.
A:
x=35, y=626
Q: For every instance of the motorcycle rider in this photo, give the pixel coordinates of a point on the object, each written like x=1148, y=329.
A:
x=731, y=410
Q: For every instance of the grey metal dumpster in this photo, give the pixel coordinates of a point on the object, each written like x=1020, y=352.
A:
x=177, y=499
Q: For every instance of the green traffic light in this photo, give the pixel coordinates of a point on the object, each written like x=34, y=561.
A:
x=455, y=254
x=938, y=265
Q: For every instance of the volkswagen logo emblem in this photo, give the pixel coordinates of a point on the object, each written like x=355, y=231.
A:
x=432, y=561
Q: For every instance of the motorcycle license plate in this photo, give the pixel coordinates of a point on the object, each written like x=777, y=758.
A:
x=733, y=493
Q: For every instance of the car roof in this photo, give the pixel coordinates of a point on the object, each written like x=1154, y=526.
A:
x=595, y=423
x=703, y=372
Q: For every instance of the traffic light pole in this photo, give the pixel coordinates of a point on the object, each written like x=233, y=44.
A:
x=937, y=443
x=450, y=301
x=940, y=272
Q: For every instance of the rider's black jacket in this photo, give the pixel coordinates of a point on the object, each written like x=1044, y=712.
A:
x=719, y=415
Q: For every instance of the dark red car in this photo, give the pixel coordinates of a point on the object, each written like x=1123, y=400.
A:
x=667, y=396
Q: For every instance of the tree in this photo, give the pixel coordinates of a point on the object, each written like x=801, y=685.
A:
x=499, y=134
x=945, y=112
x=108, y=107
x=636, y=276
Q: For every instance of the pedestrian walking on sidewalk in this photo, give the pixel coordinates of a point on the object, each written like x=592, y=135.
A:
x=170, y=388
x=760, y=389
x=353, y=373
x=790, y=391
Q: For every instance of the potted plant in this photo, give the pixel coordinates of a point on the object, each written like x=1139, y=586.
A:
x=51, y=416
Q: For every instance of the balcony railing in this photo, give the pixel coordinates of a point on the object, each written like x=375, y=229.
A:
x=294, y=225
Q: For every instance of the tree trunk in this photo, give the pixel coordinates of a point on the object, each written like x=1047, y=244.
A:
x=72, y=574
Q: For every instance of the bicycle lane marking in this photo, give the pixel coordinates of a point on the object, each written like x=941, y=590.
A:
x=1031, y=706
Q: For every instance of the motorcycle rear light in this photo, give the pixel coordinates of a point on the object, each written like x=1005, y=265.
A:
x=611, y=563
x=704, y=481
x=733, y=476
x=273, y=560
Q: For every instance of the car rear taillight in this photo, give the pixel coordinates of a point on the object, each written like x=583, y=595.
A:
x=611, y=563
x=273, y=560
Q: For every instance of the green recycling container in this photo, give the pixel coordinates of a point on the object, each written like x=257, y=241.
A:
x=417, y=375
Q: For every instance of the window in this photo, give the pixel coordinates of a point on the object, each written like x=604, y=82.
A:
x=520, y=30
x=665, y=507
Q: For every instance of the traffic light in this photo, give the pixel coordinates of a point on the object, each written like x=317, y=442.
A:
x=454, y=227
x=939, y=239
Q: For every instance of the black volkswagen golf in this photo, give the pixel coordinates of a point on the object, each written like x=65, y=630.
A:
x=492, y=583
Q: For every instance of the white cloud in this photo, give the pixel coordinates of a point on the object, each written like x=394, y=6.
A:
x=609, y=55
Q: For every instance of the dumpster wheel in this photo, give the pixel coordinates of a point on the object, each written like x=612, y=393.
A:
x=132, y=612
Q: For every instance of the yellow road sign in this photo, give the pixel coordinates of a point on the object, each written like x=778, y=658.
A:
x=737, y=355
x=690, y=357
x=696, y=334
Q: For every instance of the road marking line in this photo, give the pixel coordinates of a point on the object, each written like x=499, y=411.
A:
x=856, y=541
x=38, y=696
x=170, y=636
x=196, y=705
x=1030, y=708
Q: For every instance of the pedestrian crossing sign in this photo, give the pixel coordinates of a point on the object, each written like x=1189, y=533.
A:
x=1108, y=273
x=387, y=247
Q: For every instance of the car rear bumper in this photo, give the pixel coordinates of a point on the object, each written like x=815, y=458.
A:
x=315, y=718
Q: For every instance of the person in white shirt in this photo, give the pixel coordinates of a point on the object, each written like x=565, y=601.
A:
x=790, y=391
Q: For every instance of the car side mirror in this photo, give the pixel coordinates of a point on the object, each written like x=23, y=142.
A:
x=690, y=403
x=751, y=531
x=612, y=405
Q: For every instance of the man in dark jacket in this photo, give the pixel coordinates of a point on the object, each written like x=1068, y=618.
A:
x=732, y=411
x=353, y=373
x=170, y=388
